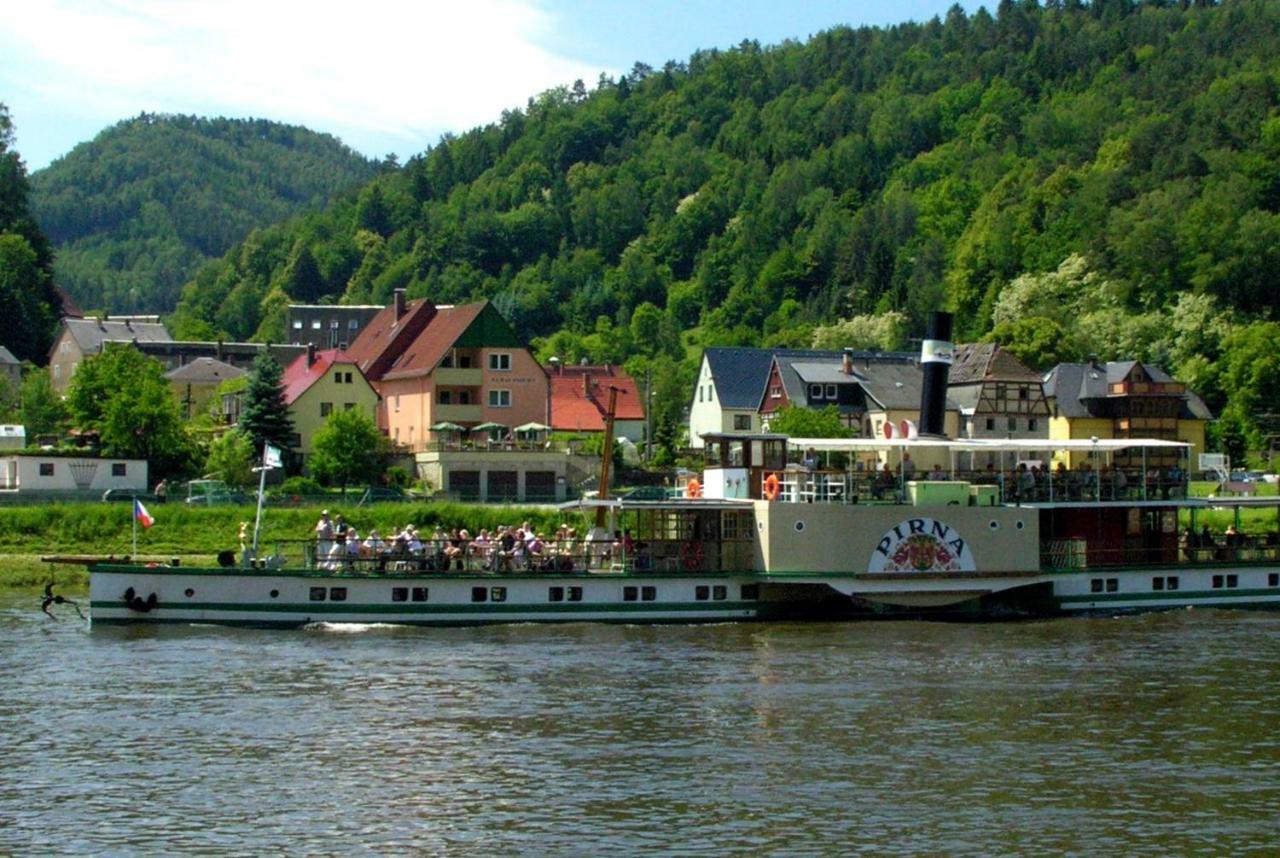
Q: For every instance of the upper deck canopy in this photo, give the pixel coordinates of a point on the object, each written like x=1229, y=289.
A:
x=985, y=445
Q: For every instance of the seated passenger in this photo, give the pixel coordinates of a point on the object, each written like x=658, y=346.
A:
x=373, y=544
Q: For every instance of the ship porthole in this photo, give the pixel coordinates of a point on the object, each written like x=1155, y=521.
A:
x=993, y=524
x=275, y=594
x=799, y=527
x=1019, y=525
x=190, y=592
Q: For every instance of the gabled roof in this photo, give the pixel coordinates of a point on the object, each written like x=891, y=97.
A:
x=385, y=337
x=6, y=356
x=891, y=380
x=978, y=362
x=204, y=370
x=580, y=397
x=740, y=374
x=442, y=332
x=1079, y=388
x=299, y=377
x=89, y=334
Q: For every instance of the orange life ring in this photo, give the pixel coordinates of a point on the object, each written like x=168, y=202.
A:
x=772, y=488
x=693, y=489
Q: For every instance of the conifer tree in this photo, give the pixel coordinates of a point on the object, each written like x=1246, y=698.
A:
x=264, y=417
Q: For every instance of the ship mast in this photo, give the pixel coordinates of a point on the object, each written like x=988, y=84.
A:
x=606, y=455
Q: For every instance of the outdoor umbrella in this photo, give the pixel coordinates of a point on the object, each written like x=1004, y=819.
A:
x=532, y=427
x=446, y=426
x=487, y=427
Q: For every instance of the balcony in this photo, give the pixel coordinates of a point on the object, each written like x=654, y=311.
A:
x=457, y=413
x=456, y=377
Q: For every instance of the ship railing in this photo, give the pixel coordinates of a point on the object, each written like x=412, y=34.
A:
x=556, y=557
x=1082, y=485
x=1071, y=554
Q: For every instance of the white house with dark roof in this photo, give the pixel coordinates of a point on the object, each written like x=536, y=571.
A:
x=726, y=396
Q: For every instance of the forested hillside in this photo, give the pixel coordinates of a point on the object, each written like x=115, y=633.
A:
x=27, y=295
x=135, y=213
x=1071, y=178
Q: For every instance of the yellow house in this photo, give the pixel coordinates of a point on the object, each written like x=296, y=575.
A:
x=318, y=383
x=1123, y=399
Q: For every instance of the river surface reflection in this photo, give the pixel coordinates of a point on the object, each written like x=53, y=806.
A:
x=1155, y=734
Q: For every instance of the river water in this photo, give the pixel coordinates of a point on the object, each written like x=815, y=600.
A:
x=1142, y=735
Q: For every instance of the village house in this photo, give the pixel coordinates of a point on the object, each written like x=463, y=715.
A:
x=327, y=326
x=580, y=400
x=456, y=381
x=318, y=383
x=70, y=475
x=998, y=395
x=1123, y=399
x=726, y=395
x=196, y=383
x=80, y=338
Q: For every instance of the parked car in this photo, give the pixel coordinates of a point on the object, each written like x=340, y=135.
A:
x=214, y=493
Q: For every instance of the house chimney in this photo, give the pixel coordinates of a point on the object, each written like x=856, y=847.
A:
x=399, y=302
x=847, y=363
x=936, y=355
x=311, y=354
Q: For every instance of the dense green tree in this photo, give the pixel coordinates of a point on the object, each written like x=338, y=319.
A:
x=123, y=395
x=43, y=411
x=263, y=415
x=348, y=449
x=809, y=422
x=231, y=459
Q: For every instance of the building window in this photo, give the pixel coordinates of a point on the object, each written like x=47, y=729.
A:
x=464, y=397
x=775, y=392
x=347, y=406
x=499, y=399
x=326, y=408
x=831, y=392
x=444, y=397
x=397, y=402
x=337, y=378
x=297, y=324
x=815, y=391
x=347, y=377
x=991, y=424
x=500, y=361
x=119, y=469
x=742, y=422
x=315, y=324
x=1013, y=424
x=46, y=469
x=699, y=393
x=1032, y=424
x=1023, y=393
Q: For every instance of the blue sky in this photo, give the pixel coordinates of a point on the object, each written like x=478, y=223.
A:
x=390, y=79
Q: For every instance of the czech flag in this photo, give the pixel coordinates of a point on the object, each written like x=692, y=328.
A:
x=141, y=515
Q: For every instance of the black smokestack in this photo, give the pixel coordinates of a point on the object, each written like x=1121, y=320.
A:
x=936, y=354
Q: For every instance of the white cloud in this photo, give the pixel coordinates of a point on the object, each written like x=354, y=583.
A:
x=373, y=73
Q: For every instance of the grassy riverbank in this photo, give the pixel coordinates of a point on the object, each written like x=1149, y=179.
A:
x=201, y=532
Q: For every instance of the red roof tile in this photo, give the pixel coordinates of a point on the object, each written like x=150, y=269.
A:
x=385, y=338
x=298, y=377
x=580, y=397
x=426, y=349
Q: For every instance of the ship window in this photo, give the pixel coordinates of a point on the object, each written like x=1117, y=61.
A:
x=555, y=594
x=719, y=592
x=648, y=594
x=497, y=594
x=479, y=594
x=1273, y=580
x=702, y=592
x=1113, y=584
x=1171, y=583
x=189, y=592
x=1233, y=581
x=1157, y=583
x=1217, y=582
x=399, y=594
x=317, y=594
x=629, y=594
x=420, y=594
x=1095, y=585
x=799, y=527
x=575, y=594
x=337, y=594
x=750, y=592
x=275, y=594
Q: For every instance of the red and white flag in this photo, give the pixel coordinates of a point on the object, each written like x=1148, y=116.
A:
x=140, y=513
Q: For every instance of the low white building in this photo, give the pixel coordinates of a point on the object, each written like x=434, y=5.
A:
x=12, y=437
x=60, y=473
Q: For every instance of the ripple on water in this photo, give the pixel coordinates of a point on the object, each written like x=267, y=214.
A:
x=1154, y=734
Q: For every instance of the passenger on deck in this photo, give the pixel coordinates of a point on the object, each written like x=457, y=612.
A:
x=908, y=467
x=324, y=535
x=373, y=543
x=937, y=473
x=884, y=483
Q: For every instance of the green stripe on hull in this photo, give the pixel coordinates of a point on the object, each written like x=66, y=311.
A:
x=1268, y=596
x=348, y=608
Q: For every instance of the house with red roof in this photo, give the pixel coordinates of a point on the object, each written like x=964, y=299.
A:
x=580, y=400
x=318, y=383
x=443, y=371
